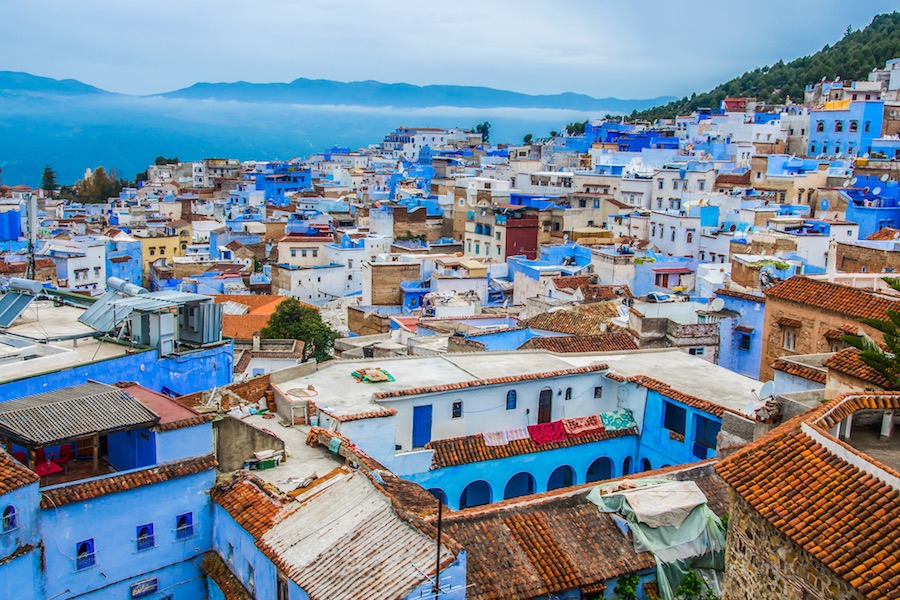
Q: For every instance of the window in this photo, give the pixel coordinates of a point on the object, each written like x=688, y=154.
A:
x=838, y=126
x=653, y=230
x=596, y=204
x=457, y=409
x=820, y=127
x=162, y=250
x=511, y=400
x=837, y=345
x=690, y=237
x=812, y=148
x=867, y=127
x=701, y=185
x=184, y=526
x=674, y=184
x=152, y=251
x=282, y=589
x=707, y=430
x=660, y=186
x=315, y=253
x=598, y=391
x=251, y=578
x=673, y=234
x=10, y=519
x=674, y=417
x=145, y=537
x=744, y=341
x=350, y=263
x=854, y=126
x=789, y=338
x=697, y=351
x=569, y=393
x=84, y=554
x=230, y=555
x=293, y=253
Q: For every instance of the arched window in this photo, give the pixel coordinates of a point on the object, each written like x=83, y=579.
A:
x=184, y=526
x=673, y=234
x=10, y=518
x=84, y=554
x=690, y=237
x=475, y=494
x=820, y=126
x=653, y=230
x=645, y=464
x=867, y=127
x=439, y=494
x=568, y=393
x=520, y=484
x=838, y=126
x=563, y=476
x=145, y=539
x=599, y=469
x=854, y=126
x=626, y=466
x=511, y=400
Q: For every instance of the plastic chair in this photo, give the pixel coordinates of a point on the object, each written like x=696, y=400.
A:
x=20, y=456
x=40, y=455
x=66, y=452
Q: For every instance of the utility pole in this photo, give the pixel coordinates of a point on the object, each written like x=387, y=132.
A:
x=31, y=215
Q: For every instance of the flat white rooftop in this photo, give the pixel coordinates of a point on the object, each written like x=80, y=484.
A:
x=339, y=394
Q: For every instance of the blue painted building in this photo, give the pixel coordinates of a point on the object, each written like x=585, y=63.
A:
x=75, y=531
x=279, y=179
x=845, y=128
x=872, y=204
x=740, y=345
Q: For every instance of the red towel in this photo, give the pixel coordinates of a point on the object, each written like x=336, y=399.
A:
x=547, y=433
x=582, y=426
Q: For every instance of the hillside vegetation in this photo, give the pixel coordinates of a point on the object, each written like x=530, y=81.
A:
x=852, y=58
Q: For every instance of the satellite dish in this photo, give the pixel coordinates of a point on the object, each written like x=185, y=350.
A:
x=876, y=191
x=884, y=178
x=716, y=305
x=767, y=390
x=846, y=183
x=823, y=204
x=622, y=310
x=853, y=181
x=750, y=408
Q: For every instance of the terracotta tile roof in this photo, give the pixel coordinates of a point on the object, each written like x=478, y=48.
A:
x=243, y=326
x=87, y=490
x=254, y=504
x=464, y=450
x=837, y=334
x=669, y=392
x=569, y=321
x=885, y=235
x=555, y=541
x=837, y=298
x=215, y=568
x=572, y=282
x=800, y=370
x=744, y=329
x=741, y=295
x=844, y=516
x=119, y=259
x=374, y=412
x=789, y=322
x=14, y=475
x=608, y=342
x=732, y=179
x=848, y=362
x=494, y=381
x=651, y=590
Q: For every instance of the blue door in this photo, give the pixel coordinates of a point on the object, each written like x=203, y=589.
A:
x=421, y=426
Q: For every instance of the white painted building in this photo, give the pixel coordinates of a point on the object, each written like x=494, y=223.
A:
x=80, y=264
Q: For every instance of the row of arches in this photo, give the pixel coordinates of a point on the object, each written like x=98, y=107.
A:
x=523, y=483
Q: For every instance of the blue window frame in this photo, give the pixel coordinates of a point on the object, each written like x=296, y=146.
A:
x=457, y=409
x=184, y=526
x=743, y=341
x=84, y=554
x=145, y=537
x=674, y=418
x=511, y=400
x=10, y=518
x=706, y=433
x=569, y=393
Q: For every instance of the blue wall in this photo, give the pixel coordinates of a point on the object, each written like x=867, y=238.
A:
x=867, y=115
x=731, y=356
x=497, y=473
x=657, y=446
x=112, y=521
x=193, y=372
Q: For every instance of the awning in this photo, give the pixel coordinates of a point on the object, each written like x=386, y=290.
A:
x=674, y=270
x=789, y=322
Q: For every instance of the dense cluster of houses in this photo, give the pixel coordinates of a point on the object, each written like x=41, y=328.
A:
x=561, y=365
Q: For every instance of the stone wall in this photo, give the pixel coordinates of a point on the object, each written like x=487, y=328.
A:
x=852, y=258
x=237, y=441
x=386, y=280
x=761, y=563
x=360, y=324
x=249, y=391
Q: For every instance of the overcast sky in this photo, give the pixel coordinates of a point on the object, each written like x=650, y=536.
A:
x=627, y=49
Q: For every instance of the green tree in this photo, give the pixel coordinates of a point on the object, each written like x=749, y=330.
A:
x=162, y=160
x=48, y=180
x=293, y=320
x=576, y=128
x=626, y=587
x=485, y=130
x=100, y=186
x=694, y=588
x=885, y=362
x=528, y=138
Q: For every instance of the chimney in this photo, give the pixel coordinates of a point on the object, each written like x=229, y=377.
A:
x=831, y=261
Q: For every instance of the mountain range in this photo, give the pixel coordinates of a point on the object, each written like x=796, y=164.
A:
x=71, y=126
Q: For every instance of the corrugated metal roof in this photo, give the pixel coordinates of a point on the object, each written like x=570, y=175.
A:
x=346, y=541
x=72, y=412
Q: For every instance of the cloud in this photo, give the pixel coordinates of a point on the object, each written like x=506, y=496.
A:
x=642, y=48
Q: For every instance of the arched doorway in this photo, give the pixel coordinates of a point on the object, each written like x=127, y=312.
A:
x=645, y=464
x=599, y=469
x=545, y=405
x=520, y=484
x=563, y=476
x=475, y=494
